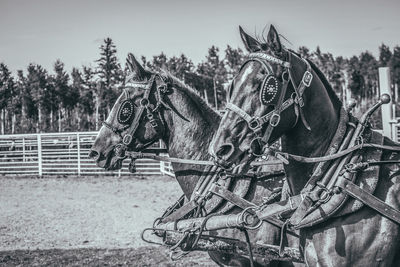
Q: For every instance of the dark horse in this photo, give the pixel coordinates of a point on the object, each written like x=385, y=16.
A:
x=304, y=112
x=185, y=123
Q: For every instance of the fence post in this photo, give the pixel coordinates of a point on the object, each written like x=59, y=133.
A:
x=162, y=167
x=39, y=146
x=78, y=146
x=384, y=88
x=23, y=149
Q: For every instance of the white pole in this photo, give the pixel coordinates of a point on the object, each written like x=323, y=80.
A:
x=384, y=88
x=39, y=146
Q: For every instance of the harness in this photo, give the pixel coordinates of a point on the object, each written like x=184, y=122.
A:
x=339, y=177
x=129, y=119
x=269, y=95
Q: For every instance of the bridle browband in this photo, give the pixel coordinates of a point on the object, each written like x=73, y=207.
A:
x=157, y=122
x=255, y=123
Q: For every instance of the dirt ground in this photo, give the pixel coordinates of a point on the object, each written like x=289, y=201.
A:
x=85, y=221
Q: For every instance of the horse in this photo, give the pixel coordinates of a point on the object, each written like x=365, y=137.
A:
x=185, y=123
x=278, y=94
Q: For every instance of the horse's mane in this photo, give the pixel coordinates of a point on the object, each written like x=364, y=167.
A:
x=192, y=93
x=332, y=94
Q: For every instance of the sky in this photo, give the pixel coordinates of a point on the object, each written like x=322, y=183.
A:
x=42, y=31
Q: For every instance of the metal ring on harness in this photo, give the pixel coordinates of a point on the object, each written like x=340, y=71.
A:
x=242, y=220
x=127, y=139
x=275, y=119
x=144, y=102
x=254, y=125
x=257, y=141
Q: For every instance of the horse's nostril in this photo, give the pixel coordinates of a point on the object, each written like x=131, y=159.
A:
x=225, y=151
x=93, y=154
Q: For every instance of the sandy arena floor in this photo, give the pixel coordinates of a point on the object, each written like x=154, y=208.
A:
x=85, y=221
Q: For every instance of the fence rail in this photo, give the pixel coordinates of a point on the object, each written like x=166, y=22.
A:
x=62, y=154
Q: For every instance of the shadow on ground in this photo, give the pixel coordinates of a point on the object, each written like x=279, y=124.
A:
x=144, y=256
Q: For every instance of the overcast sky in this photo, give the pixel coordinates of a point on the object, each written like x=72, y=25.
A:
x=42, y=31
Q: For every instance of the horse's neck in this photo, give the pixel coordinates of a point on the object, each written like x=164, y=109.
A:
x=190, y=130
x=323, y=118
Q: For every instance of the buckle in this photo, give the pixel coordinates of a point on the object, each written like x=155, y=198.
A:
x=153, y=123
x=120, y=150
x=307, y=78
x=127, y=139
x=254, y=125
x=275, y=119
x=300, y=101
x=144, y=102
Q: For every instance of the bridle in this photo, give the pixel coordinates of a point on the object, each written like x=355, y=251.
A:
x=269, y=89
x=152, y=114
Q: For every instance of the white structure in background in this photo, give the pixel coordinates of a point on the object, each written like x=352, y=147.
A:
x=390, y=124
x=62, y=154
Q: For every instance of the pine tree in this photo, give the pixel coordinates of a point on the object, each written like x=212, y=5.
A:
x=91, y=89
x=7, y=91
x=233, y=60
x=110, y=73
x=213, y=68
x=28, y=110
x=384, y=55
x=37, y=81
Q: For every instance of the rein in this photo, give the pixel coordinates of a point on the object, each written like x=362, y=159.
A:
x=141, y=155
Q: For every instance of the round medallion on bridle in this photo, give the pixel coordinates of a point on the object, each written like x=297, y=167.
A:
x=126, y=112
x=269, y=90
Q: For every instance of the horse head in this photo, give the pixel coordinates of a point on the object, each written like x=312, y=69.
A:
x=261, y=102
x=135, y=121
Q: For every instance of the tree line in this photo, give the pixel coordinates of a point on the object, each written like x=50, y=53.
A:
x=36, y=100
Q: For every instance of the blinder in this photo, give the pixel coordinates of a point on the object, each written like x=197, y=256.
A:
x=126, y=112
x=269, y=91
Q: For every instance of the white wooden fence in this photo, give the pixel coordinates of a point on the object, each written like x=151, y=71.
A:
x=62, y=154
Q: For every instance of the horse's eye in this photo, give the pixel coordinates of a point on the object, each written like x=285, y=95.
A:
x=126, y=112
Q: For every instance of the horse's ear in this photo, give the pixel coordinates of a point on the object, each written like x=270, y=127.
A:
x=138, y=72
x=273, y=40
x=251, y=44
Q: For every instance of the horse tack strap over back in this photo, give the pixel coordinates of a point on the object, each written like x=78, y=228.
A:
x=370, y=200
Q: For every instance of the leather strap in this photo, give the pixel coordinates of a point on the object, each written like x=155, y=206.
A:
x=370, y=200
x=127, y=139
x=181, y=212
x=278, y=208
x=329, y=157
x=276, y=112
x=243, y=114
